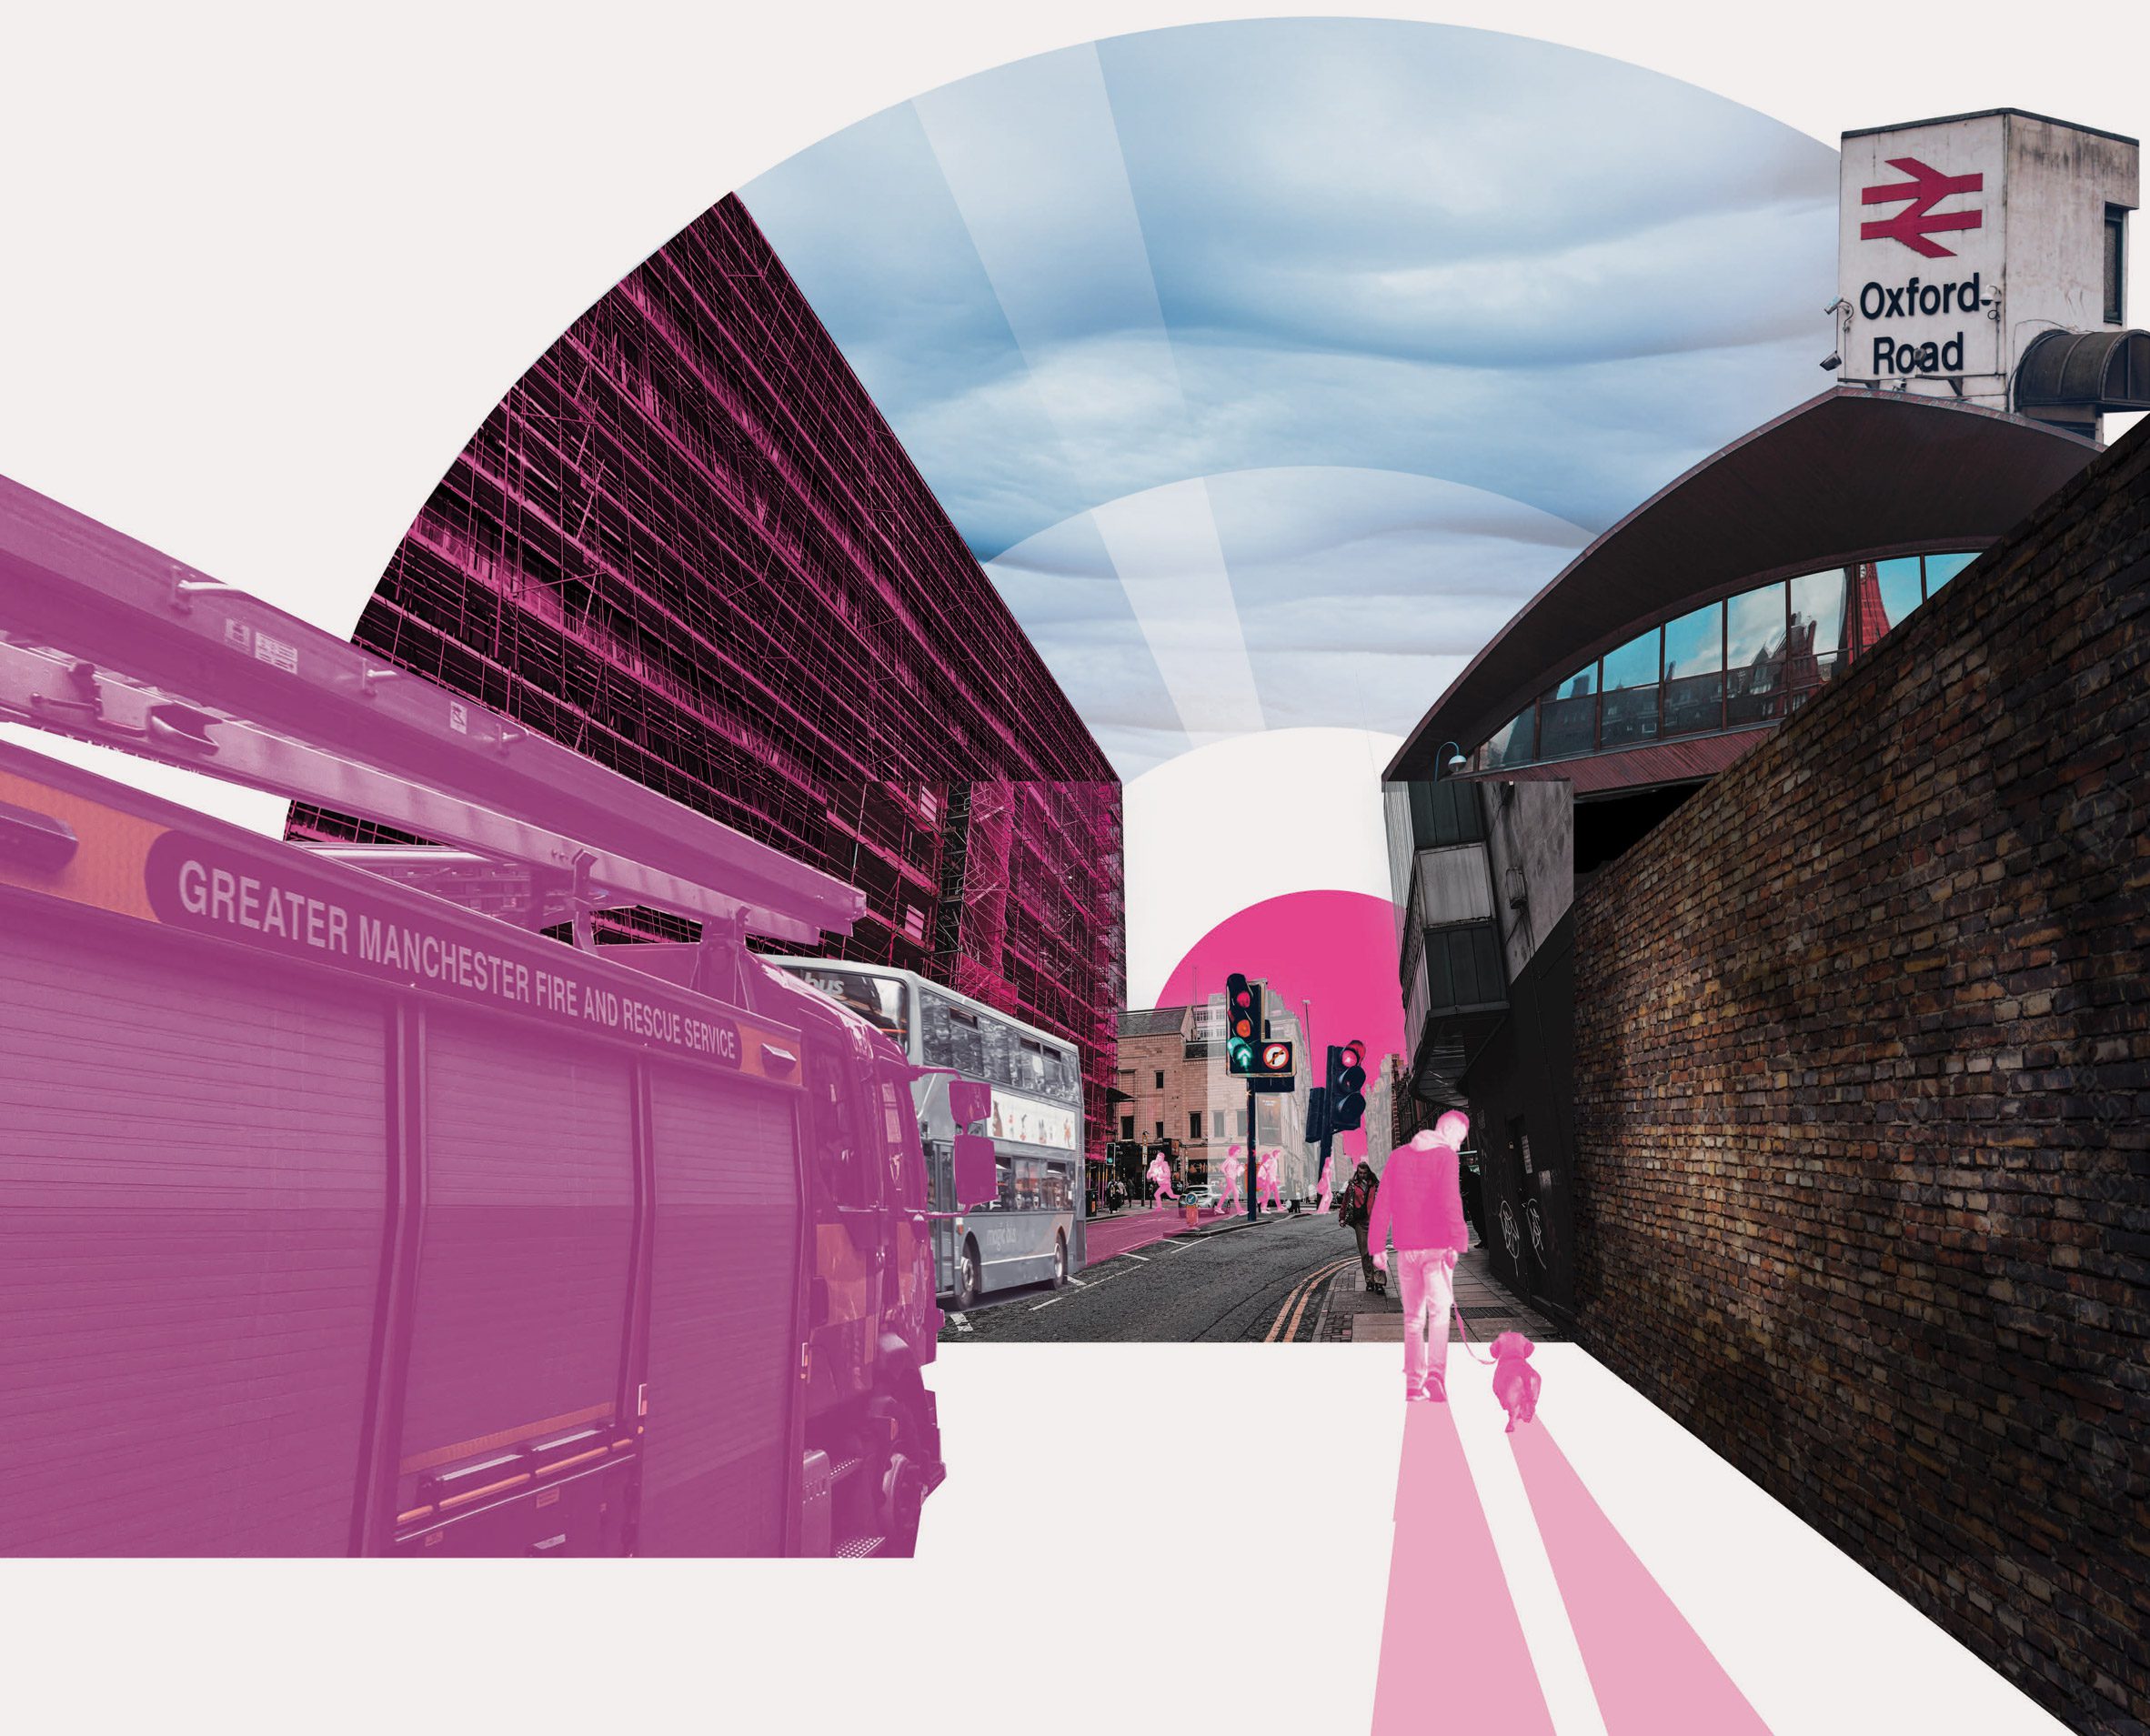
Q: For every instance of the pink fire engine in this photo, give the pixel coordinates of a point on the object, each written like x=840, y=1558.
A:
x=343, y=1210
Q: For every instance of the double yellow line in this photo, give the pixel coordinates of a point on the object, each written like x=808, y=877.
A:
x=1301, y=1293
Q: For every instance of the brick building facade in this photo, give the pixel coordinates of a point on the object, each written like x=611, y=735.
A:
x=1862, y=1106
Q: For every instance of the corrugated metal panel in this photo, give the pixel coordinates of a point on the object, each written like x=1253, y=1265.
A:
x=1396, y=831
x=192, y=1185
x=723, y=1344
x=1452, y=887
x=1662, y=762
x=522, y=1289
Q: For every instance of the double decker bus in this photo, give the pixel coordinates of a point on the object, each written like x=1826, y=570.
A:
x=1032, y=1232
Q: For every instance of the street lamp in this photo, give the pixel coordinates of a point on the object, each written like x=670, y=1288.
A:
x=1455, y=762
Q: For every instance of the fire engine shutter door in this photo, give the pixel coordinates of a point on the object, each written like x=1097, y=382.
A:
x=193, y=1179
x=723, y=1333
x=522, y=1288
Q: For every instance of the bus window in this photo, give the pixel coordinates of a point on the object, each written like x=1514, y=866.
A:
x=1060, y=1186
x=1007, y=1200
x=882, y=1003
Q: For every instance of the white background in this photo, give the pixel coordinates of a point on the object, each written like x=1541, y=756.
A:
x=261, y=273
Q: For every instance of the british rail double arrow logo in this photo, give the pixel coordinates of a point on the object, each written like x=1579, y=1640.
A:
x=1917, y=222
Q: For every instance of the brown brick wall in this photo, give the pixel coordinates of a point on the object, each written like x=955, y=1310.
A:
x=1862, y=1102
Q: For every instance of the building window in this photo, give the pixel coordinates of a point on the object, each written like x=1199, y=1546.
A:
x=1567, y=716
x=1754, y=655
x=1515, y=746
x=1628, y=678
x=1194, y=1124
x=1897, y=581
x=1941, y=569
x=1216, y=1124
x=1814, y=639
x=1242, y=1123
x=1161, y=1129
x=1694, y=672
x=2116, y=262
x=1160, y=1081
x=1127, y=1127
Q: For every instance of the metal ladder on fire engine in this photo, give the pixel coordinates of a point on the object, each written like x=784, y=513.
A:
x=105, y=640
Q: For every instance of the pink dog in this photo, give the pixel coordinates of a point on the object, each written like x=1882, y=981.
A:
x=1515, y=1384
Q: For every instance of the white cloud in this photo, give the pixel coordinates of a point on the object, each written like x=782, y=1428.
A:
x=1423, y=307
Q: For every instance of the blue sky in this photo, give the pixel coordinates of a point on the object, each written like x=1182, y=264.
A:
x=1270, y=367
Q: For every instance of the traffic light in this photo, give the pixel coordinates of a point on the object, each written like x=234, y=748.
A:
x=1242, y=1025
x=1347, y=1086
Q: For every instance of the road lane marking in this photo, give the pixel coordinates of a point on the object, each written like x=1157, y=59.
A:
x=1048, y=1303
x=1299, y=1313
x=1301, y=1292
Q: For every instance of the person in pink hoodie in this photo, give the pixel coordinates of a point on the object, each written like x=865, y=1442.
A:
x=1420, y=1200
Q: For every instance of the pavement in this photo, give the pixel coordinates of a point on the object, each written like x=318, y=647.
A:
x=1351, y=1314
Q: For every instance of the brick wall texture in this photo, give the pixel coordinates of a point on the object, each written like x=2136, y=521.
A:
x=1862, y=1101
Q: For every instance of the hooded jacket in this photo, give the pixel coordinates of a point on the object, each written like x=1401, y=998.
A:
x=1421, y=1199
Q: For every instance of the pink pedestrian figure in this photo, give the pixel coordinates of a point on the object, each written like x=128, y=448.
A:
x=1328, y=1183
x=1266, y=1181
x=1161, y=1178
x=1234, y=1167
x=1421, y=1198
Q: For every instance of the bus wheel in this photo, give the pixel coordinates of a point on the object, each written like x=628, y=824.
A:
x=967, y=1276
x=1060, y=1262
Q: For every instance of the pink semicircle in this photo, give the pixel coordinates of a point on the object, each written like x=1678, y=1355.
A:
x=1335, y=951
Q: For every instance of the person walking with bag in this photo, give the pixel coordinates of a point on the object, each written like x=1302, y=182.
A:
x=1420, y=1200
x=1356, y=1209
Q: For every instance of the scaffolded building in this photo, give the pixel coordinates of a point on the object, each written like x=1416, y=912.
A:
x=687, y=544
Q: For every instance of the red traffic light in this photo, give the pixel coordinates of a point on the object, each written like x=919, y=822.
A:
x=1245, y=1028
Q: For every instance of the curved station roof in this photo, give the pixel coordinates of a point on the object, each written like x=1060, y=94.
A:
x=1853, y=475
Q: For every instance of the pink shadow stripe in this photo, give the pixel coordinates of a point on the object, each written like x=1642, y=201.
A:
x=1652, y=1673
x=1454, y=1656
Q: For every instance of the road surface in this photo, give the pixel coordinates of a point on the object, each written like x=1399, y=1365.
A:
x=1263, y=1281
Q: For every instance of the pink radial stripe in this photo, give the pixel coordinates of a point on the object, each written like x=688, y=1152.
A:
x=1453, y=1655
x=1651, y=1672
